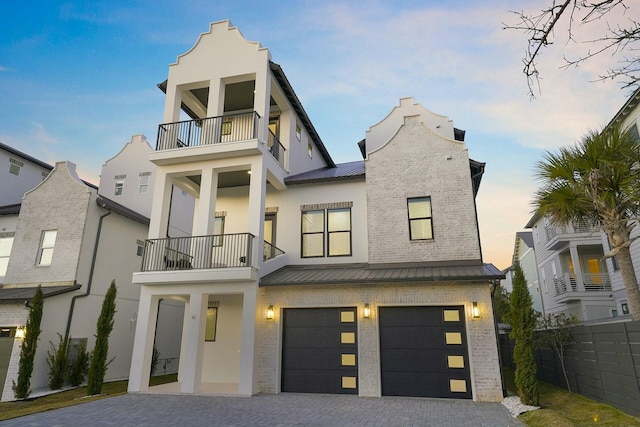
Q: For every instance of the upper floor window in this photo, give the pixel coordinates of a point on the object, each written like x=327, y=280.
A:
x=47, y=242
x=310, y=150
x=144, y=182
x=298, y=131
x=15, y=166
x=119, y=187
x=6, y=242
x=420, y=220
x=335, y=232
x=218, y=230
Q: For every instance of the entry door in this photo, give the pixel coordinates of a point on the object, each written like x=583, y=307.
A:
x=423, y=352
x=320, y=350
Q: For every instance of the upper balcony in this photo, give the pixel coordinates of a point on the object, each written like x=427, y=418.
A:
x=222, y=136
x=558, y=235
x=569, y=289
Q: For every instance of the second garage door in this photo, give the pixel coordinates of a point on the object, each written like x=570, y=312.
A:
x=423, y=352
x=320, y=350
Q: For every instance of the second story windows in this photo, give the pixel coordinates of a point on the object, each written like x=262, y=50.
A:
x=15, y=166
x=47, y=243
x=119, y=184
x=326, y=231
x=144, y=182
x=420, y=220
x=6, y=242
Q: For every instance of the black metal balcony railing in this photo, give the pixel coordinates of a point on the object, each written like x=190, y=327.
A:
x=198, y=252
x=212, y=130
x=276, y=149
x=269, y=251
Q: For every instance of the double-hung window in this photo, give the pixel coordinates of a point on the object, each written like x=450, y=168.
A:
x=326, y=228
x=6, y=242
x=144, y=182
x=420, y=220
x=47, y=243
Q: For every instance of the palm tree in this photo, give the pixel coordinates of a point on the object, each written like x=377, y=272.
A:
x=597, y=182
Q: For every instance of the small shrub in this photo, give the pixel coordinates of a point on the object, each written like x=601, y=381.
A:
x=58, y=361
x=79, y=364
x=155, y=357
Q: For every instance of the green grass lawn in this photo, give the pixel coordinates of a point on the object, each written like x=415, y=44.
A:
x=561, y=409
x=20, y=408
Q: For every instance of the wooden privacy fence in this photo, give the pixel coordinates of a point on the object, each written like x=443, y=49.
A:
x=603, y=363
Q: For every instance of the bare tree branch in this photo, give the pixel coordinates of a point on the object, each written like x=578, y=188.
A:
x=615, y=40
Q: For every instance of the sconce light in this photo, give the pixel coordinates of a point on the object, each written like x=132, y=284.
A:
x=475, y=311
x=367, y=311
x=270, y=313
x=20, y=332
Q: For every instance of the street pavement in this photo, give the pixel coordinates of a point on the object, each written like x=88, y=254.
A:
x=284, y=409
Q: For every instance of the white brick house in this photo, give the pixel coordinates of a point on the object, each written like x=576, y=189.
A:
x=301, y=274
x=73, y=242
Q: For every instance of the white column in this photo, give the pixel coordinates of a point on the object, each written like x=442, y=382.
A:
x=160, y=206
x=193, y=343
x=248, y=381
x=143, y=343
x=205, y=204
x=172, y=104
x=262, y=100
x=215, y=103
x=575, y=259
x=257, y=196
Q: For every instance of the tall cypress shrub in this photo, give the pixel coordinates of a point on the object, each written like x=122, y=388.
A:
x=523, y=323
x=99, y=363
x=22, y=389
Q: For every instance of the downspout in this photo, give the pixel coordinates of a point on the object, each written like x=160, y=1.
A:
x=494, y=286
x=90, y=281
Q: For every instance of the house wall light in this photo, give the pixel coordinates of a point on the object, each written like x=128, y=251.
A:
x=366, y=312
x=475, y=311
x=21, y=331
x=270, y=313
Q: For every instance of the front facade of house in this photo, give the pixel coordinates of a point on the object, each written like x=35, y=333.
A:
x=302, y=275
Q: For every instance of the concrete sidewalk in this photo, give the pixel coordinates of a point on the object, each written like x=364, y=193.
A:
x=285, y=409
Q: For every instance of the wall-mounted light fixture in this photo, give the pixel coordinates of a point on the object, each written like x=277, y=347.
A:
x=270, y=313
x=475, y=311
x=367, y=311
x=21, y=331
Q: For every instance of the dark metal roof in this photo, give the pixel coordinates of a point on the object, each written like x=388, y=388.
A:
x=109, y=204
x=21, y=295
x=302, y=115
x=25, y=156
x=348, y=274
x=10, y=209
x=527, y=237
x=626, y=109
x=341, y=171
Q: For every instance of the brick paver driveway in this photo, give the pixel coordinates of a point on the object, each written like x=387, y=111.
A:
x=284, y=409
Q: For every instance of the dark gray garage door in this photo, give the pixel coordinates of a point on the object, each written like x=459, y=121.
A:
x=320, y=350
x=423, y=352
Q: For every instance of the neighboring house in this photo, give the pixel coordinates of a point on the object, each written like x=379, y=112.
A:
x=525, y=255
x=574, y=275
x=73, y=242
x=128, y=178
x=19, y=173
x=304, y=275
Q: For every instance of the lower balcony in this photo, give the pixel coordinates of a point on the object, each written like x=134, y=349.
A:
x=203, y=252
x=593, y=286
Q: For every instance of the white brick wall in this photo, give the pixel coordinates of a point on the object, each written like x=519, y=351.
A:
x=44, y=209
x=483, y=354
x=414, y=164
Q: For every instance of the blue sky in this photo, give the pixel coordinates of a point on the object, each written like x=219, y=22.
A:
x=78, y=78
